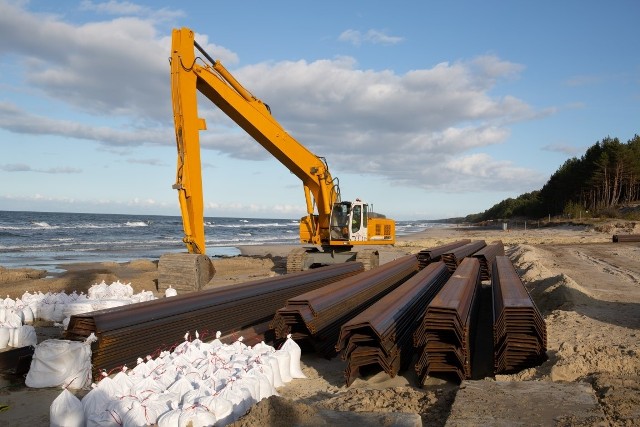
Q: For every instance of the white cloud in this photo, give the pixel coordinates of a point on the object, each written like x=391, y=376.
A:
x=567, y=149
x=20, y=167
x=372, y=36
x=406, y=128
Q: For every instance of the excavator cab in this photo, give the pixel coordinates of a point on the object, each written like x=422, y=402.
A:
x=349, y=221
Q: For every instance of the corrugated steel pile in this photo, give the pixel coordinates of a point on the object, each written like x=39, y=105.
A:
x=626, y=238
x=486, y=256
x=317, y=316
x=427, y=256
x=382, y=334
x=519, y=331
x=128, y=332
x=444, y=337
x=454, y=257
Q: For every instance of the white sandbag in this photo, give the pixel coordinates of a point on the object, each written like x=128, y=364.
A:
x=34, y=305
x=24, y=336
x=3, y=314
x=108, y=303
x=61, y=363
x=170, y=292
x=108, y=387
x=66, y=411
x=95, y=402
x=27, y=315
x=275, y=367
x=58, y=312
x=239, y=398
x=45, y=311
x=295, y=352
x=220, y=407
x=265, y=386
x=77, y=307
x=12, y=337
x=105, y=418
x=122, y=383
x=98, y=290
x=284, y=362
x=12, y=319
x=196, y=416
x=147, y=387
x=5, y=335
x=181, y=386
x=119, y=290
x=140, y=415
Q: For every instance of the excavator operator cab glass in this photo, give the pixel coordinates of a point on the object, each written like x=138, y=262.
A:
x=356, y=220
x=340, y=221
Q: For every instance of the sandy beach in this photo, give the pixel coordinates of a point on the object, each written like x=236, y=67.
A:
x=587, y=288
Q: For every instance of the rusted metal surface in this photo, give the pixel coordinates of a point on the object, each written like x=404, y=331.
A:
x=427, y=256
x=16, y=360
x=626, y=238
x=382, y=334
x=486, y=256
x=446, y=331
x=519, y=331
x=128, y=332
x=317, y=316
x=454, y=257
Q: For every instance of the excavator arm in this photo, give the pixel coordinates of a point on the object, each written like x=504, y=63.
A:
x=191, y=74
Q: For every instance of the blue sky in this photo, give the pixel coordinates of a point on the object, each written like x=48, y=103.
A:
x=426, y=109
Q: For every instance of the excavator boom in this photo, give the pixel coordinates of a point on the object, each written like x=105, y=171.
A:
x=330, y=223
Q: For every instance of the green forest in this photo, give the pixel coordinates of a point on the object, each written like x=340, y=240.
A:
x=597, y=184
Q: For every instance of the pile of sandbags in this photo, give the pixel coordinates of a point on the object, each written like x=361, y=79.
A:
x=198, y=383
x=16, y=316
x=15, y=324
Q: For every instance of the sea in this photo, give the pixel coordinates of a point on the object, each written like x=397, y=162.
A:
x=48, y=240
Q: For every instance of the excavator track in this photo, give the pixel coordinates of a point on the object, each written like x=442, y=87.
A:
x=370, y=258
x=295, y=260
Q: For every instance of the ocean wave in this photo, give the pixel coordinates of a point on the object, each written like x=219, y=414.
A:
x=43, y=224
x=137, y=224
x=249, y=225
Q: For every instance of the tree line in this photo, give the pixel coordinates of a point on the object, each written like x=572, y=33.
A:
x=596, y=184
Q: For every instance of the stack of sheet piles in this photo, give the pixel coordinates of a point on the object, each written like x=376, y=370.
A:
x=382, y=334
x=316, y=317
x=519, y=331
x=486, y=256
x=427, y=256
x=454, y=257
x=445, y=335
x=124, y=333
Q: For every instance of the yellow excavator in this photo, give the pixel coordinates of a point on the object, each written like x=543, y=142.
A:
x=333, y=226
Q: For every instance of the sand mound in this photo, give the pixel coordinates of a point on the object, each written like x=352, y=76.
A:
x=19, y=274
x=548, y=291
x=585, y=336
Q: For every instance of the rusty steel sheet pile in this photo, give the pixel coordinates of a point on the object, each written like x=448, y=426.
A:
x=519, y=331
x=128, y=332
x=486, y=256
x=316, y=317
x=429, y=255
x=445, y=335
x=382, y=334
x=626, y=238
x=454, y=257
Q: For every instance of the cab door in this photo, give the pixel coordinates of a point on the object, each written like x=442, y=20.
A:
x=359, y=222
